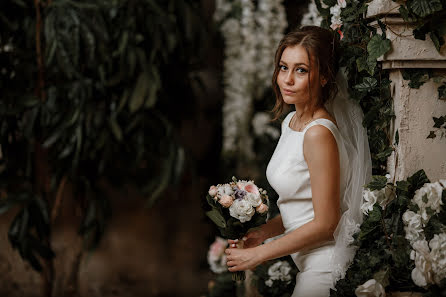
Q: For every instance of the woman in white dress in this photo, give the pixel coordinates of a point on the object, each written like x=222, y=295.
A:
x=317, y=169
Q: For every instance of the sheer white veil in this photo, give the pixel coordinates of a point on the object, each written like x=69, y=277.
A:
x=349, y=118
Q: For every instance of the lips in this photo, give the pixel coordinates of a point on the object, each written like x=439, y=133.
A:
x=288, y=92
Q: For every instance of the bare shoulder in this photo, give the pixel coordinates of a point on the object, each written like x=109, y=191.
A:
x=317, y=134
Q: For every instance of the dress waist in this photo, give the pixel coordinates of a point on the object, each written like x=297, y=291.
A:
x=295, y=212
x=317, y=259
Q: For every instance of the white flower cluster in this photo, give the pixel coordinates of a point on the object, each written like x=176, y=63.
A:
x=382, y=197
x=279, y=271
x=370, y=288
x=335, y=12
x=428, y=199
x=250, y=41
x=430, y=258
x=312, y=17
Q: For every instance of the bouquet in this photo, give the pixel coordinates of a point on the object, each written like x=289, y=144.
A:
x=237, y=207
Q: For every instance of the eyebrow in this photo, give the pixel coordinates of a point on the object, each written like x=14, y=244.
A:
x=296, y=64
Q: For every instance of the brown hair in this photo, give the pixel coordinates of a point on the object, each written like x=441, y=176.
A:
x=323, y=46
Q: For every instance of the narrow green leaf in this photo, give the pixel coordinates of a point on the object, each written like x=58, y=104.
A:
x=115, y=128
x=217, y=218
x=140, y=92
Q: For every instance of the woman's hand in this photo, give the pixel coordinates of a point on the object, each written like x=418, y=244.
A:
x=251, y=239
x=242, y=259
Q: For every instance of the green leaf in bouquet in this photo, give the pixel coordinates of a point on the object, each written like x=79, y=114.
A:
x=217, y=218
x=211, y=201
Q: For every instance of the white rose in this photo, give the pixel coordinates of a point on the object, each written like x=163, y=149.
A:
x=254, y=199
x=269, y=282
x=428, y=196
x=370, y=288
x=438, y=256
x=224, y=189
x=414, y=227
x=370, y=199
x=422, y=274
x=242, y=210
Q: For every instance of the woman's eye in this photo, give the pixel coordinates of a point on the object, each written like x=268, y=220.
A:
x=283, y=67
x=301, y=70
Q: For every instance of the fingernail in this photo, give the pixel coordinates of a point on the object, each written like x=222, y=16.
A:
x=236, y=240
x=244, y=238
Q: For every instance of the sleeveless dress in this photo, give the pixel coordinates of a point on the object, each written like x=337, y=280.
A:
x=288, y=174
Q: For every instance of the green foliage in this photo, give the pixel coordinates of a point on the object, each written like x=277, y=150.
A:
x=440, y=125
x=369, y=84
x=383, y=252
x=96, y=110
x=378, y=182
x=428, y=17
x=30, y=228
x=417, y=77
x=424, y=8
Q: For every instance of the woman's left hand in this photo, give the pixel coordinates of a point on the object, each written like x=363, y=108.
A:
x=242, y=259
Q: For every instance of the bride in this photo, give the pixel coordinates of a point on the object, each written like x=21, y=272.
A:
x=318, y=168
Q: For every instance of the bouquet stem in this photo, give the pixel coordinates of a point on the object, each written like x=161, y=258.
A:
x=238, y=276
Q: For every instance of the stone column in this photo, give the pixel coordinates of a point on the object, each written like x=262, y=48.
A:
x=414, y=108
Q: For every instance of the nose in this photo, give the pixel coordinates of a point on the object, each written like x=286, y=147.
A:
x=289, y=79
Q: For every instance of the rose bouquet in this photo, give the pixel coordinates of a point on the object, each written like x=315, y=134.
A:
x=237, y=207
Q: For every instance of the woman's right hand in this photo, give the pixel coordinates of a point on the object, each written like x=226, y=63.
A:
x=251, y=239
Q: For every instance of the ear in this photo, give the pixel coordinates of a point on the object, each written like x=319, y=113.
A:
x=323, y=81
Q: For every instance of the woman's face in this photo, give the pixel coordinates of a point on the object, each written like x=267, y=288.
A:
x=293, y=77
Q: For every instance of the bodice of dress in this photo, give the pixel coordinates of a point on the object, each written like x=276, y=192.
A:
x=288, y=173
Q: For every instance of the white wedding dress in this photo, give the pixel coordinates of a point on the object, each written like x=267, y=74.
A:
x=288, y=174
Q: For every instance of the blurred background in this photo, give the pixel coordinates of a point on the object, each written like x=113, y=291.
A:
x=112, y=131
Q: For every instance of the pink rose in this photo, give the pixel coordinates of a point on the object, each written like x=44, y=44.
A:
x=226, y=201
x=249, y=187
x=252, y=188
x=213, y=191
x=262, y=208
